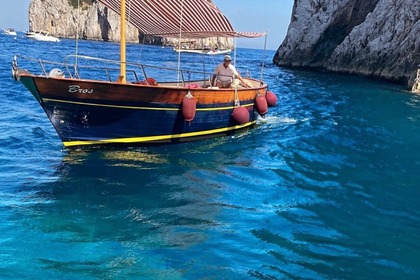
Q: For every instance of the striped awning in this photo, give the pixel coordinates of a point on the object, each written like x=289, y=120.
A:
x=172, y=18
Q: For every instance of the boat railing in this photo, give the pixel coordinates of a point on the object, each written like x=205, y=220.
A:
x=87, y=67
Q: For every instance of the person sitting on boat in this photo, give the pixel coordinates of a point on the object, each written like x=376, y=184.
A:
x=224, y=73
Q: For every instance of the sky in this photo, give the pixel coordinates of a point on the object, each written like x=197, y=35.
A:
x=244, y=15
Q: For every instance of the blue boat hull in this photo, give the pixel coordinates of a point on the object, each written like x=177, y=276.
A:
x=126, y=114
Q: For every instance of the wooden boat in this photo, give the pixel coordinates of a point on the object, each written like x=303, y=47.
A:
x=140, y=107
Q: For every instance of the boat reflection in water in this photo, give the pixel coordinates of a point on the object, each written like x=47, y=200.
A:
x=112, y=197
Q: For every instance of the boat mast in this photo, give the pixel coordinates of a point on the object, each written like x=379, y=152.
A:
x=179, y=44
x=122, y=78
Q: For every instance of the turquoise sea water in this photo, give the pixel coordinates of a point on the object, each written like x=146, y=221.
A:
x=326, y=187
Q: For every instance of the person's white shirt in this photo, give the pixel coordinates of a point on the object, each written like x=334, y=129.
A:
x=225, y=74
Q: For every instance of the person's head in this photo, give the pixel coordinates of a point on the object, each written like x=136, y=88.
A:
x=227, y=59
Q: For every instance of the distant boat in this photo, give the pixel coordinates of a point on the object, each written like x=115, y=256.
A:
x=197, y=51
x=416, y=85
x=204, y=51
x=217, y=52
x=41, y=36
x=10, y=31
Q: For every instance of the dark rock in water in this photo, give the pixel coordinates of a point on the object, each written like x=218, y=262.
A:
x=375, y=38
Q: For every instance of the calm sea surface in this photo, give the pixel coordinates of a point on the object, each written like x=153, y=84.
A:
x=326, y=187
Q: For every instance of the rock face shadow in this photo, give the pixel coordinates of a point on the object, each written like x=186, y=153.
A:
x=370, y=38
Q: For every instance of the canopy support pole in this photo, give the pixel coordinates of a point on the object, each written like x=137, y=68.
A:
x=263, y=58
x=179, y=43
x=204, y=62
x=123, y=71
x=235, y=46
x=76, y=62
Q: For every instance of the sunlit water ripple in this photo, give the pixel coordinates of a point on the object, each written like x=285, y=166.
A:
x=327, y=186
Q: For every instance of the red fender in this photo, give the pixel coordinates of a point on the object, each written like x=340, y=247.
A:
x=151, y=82
x=261, y=104
x=148, y=82
x=271, y=98
x=189, y=105
x=240, y=115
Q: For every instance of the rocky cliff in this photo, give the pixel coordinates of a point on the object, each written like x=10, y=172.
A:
x=94, y=21
x=378, y=38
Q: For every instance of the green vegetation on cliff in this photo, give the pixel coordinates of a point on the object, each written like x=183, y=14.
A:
x=74, y=3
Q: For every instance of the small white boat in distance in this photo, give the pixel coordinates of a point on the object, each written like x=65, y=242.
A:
x=217, y=52
x=197, y=51
x=41, y=36
x=10, y=31
x=205, y=51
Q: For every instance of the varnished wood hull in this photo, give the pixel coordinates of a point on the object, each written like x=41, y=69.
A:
x=85, y=112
